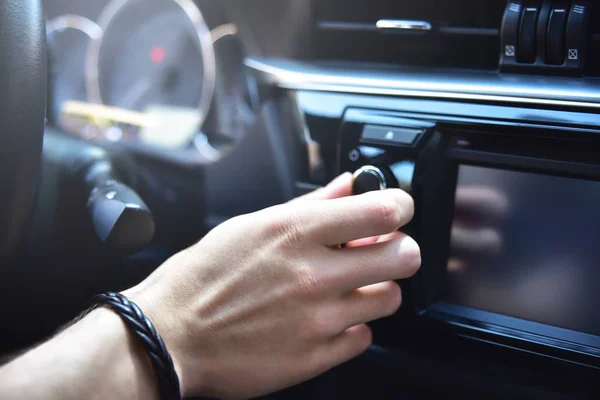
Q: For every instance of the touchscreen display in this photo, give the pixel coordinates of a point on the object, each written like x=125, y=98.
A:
x=528, y=246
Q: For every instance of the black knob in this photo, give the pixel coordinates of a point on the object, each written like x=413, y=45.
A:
x=398, y=175
x=368, y=179
x=120, y=217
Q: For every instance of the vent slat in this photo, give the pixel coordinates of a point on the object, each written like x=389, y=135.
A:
x=463, y=34
x=467, y=30
x=372, y=27
x=346, y=26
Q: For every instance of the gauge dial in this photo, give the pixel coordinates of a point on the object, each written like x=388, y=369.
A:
x=68, y=37
x=151, y=75
x=155, y=57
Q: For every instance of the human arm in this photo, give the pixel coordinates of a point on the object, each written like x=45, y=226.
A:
x=95, y=358
x=265, y=301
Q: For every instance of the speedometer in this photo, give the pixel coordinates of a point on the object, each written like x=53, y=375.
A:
x=160, y=77
x=155, y=57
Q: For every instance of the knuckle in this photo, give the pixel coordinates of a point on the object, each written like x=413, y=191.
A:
x=386, y=211
x=410, y=254
x=323, y=325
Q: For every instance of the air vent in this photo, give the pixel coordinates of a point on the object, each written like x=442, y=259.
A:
x=432, y=33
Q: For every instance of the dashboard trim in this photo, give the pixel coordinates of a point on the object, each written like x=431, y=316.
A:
x=401, y=24
x=477, y=86
x=73, y=21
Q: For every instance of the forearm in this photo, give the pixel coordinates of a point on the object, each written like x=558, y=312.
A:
x=95, y=358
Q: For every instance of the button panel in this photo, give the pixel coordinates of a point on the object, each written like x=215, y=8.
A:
x=547, y=36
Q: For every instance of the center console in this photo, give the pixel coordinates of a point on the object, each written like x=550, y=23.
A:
x=507, y=221
x=489, y=116
x=506, y=199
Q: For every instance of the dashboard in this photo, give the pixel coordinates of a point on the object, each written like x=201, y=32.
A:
x=227, y=107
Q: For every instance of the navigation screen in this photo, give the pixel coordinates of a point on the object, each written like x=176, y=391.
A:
x=527, y=246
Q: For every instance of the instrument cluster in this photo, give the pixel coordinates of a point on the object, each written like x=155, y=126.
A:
x=164, y=76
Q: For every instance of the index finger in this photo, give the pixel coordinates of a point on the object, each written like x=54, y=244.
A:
x=332, y=222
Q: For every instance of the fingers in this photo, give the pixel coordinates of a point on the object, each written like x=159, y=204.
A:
x=370, y=303
x=356, y=267
x=375, y=239
x=339, y=187
x=346, y=219
x=363, y=242
x=343, y=347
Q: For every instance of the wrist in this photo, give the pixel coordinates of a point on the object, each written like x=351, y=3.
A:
x=125, y=358
x=166, y=326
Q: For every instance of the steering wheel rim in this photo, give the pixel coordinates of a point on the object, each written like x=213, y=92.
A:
x=23, y=90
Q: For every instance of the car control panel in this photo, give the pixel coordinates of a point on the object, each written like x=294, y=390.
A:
x=545, y=36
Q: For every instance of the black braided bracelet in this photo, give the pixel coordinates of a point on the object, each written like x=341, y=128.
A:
x=145, y=332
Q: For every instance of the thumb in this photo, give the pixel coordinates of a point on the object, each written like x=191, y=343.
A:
x=339, y=187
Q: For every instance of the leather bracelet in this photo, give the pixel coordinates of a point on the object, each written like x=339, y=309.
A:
x=143, y=329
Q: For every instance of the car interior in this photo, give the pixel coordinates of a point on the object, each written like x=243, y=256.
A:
x=143, y=124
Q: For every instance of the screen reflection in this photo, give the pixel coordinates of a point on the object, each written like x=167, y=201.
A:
x=528, y=246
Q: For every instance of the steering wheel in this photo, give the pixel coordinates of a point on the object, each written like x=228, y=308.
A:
x=23, y=89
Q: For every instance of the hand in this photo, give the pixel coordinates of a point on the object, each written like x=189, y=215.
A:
x=269, y=300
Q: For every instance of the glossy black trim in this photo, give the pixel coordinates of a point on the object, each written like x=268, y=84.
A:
x=370, y=27
x=346, y=26
x=515, y=328
x=530, y=163
x=333, y=105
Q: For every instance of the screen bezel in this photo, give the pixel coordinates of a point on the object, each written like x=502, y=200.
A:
x=436, y=221
x=515, y=328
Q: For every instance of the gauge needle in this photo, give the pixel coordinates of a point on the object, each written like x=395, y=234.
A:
x=107, y=113
x=136, y=91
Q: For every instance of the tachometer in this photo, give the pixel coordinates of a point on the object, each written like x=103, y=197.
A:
x=155, y=57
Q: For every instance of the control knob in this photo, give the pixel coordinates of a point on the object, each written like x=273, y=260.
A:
x=370, y=178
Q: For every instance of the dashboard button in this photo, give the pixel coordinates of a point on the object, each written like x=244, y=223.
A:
x=510, y=31
x=555, y=37
x=527, y=35
x=575, y=37
x=390, y=135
